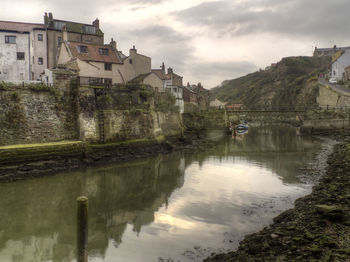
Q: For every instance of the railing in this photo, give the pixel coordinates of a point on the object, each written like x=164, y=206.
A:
x=289, y=108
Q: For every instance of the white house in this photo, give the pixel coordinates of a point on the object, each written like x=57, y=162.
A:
x=341, y=60
x=23, y=52
x=173, y=84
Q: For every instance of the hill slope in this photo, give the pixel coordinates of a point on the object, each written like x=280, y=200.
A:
x=292, y=82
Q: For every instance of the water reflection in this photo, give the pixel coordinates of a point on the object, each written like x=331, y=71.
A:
x=158, y=207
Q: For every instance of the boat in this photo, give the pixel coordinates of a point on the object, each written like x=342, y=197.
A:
x=242, y=127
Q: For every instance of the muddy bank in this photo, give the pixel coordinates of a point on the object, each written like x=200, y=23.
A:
x=317, y=229
x=50, y=162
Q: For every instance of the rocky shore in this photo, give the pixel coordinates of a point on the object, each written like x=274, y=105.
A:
x=316, y=229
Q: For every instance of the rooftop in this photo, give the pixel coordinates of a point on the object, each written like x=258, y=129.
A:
x=19, y=27
x=93, y=53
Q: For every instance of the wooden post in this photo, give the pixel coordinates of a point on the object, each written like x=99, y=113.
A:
x=82, y=229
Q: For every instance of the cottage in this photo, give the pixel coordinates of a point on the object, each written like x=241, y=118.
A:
x=217, y=104
x=135, y=64
x=22, y=51
x=340, y=61
x=95, y=63
x=320, y=52
x=151, y=79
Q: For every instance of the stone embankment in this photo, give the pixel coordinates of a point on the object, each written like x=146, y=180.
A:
x=317, y=229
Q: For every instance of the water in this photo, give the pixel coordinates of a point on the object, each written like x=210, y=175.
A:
x=178, y=207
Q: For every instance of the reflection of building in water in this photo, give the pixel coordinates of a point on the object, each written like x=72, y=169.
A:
x=44, y=227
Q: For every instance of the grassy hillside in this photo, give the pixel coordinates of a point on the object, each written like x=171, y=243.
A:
x=292, y=82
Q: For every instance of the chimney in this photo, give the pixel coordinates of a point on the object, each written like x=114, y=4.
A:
x=96, y=23
x=113, y=44
x=64, y=34
x=335, y=47
x=46, y=19
x=50, y=17
x=170, y=70
x=163, y=68
x=133, y=50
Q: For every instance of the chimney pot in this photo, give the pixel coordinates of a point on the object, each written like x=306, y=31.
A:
x=96, y=23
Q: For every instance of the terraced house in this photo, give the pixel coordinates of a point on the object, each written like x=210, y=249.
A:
x=22, y=51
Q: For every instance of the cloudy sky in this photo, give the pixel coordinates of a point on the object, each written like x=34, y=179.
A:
x=205, y=41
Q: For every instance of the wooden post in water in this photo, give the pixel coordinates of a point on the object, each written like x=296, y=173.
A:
x=82, y=229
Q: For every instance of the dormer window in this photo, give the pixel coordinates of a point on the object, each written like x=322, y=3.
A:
x=59, y=25
x=82, y=48
x=90, y=29
x=103, y=51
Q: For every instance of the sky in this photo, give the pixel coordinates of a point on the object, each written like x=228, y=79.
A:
x=202, y=40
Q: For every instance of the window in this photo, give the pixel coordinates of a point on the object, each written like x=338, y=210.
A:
x=20, y=55
x=40, y=37
x=103, y=51
x=59, y=41
x=90, y=29
x=40, y=60
x=10, y=39
x=108, y=66
x=59, y=25
x=82, y=48
x=130, y=61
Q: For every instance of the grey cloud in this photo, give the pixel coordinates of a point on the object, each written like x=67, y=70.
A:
x=292, y=17
x=160, y=32
x=215, y=72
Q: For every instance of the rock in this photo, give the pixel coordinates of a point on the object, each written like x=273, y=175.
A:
x=274, y=236
x=330, y=212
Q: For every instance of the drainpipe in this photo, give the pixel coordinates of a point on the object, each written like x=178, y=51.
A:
x=30, y=75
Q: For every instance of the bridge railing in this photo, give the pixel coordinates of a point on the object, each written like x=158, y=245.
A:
x=287, y=108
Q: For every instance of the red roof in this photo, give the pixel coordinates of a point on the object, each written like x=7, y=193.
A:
x=19, y=27
x=93, y=53
x=159, y=73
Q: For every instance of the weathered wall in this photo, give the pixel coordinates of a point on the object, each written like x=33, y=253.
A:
x=36, y=113
x=127, y=113
x=38, y=50
x=10, y=67
x=329, y=97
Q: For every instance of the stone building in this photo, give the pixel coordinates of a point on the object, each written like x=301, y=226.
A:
x=76, y=32
x=22, y=51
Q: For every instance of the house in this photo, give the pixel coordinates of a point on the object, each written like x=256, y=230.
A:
x=189, y=95
x=172, y=83
x=22, y=51
x=135, y=64
x=76, y=32
x=234, y=107
x=319, y=52
x=347, y=74
x=94, y=63
x=217, y=104
x=340, y=61
x=151, y=79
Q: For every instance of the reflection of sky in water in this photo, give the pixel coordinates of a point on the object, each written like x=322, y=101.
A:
x=168, y=206
x=218, y=197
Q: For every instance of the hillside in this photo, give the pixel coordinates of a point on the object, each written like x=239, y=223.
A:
x=292, y=82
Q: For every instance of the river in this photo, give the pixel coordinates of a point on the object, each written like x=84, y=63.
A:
x=176, y=207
